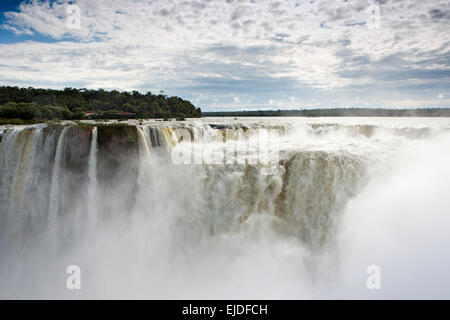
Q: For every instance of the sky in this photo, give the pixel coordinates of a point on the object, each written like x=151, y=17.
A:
x=235, y=54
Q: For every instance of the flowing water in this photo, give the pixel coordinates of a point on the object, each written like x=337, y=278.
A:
x=226, y=208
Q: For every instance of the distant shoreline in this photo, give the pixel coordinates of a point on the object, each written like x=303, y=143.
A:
x=336, y=112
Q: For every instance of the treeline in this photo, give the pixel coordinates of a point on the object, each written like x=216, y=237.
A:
x=70, y=104
x=337, y=112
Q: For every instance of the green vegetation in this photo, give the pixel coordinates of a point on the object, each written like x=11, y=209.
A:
x=338, y=112
x=118, y=131
x=29, y=105
x=17, y=122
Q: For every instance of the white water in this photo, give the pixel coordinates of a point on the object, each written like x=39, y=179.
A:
x=351, y=192
x=55, y=186
x=92, y=176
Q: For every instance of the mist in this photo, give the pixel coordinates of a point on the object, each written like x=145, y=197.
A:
x=347, y=194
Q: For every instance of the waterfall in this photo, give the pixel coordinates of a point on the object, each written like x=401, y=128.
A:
x=22, y=167
x=144, y=142
x=92, y=180
x=54, y=202
x=13, y=169
x=25, y=176
x=112, y=199
x=316, y=188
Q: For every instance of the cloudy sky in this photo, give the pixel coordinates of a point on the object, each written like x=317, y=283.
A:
x=235, y=54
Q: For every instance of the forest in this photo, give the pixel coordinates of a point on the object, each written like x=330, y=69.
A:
x=30, y=104
x=336, y=112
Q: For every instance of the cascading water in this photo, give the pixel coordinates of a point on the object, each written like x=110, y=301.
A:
x=92, y=175
x=56, y=178
x=195, y=209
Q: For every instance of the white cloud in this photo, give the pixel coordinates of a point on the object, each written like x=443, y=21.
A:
x=240, y=47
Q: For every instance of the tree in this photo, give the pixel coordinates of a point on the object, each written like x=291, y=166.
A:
x=71, y=103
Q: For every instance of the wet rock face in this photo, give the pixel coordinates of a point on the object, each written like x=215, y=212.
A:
x=118, y=157
x=77, y=149
x=75, y=165
x=118, y=152
x=220, y=126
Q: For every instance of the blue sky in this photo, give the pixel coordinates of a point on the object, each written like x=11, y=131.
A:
x=5, y=35
x=235, y=54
